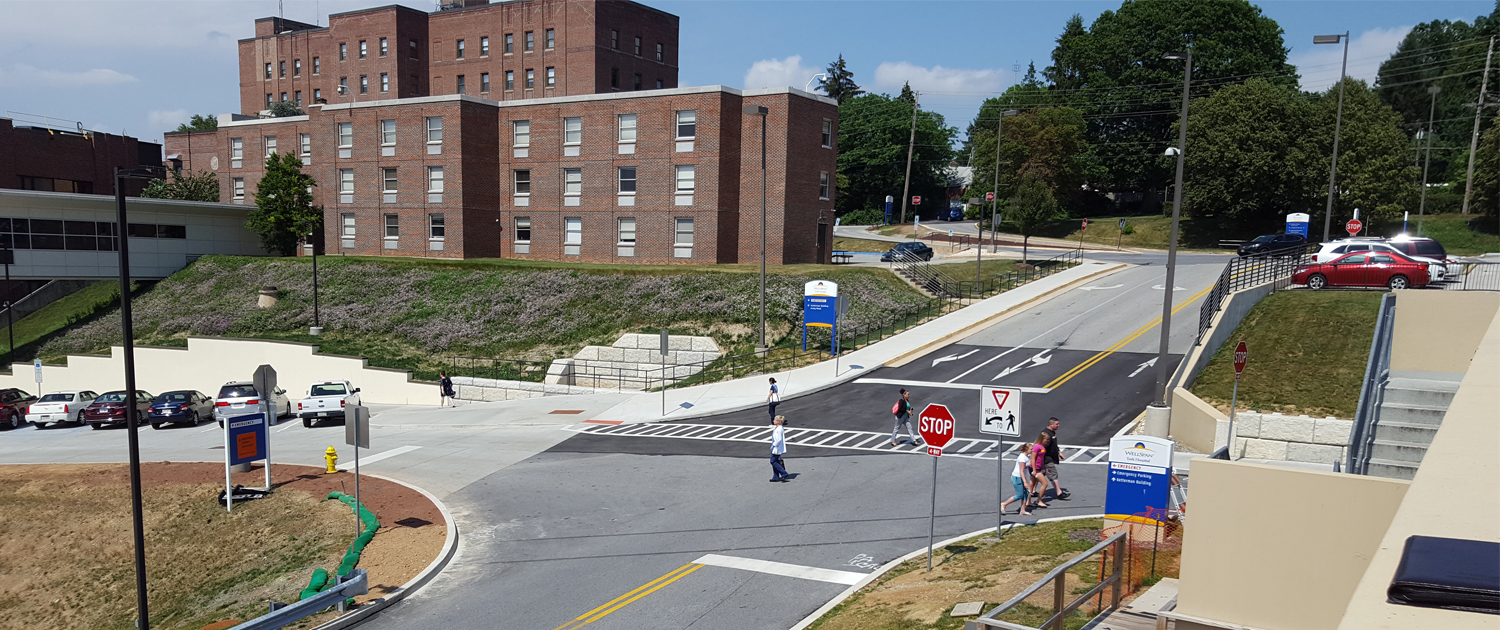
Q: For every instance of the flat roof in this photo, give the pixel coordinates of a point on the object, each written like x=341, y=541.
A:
x=403, y=7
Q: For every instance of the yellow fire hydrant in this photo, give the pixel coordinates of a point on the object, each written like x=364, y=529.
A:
x=333, y=457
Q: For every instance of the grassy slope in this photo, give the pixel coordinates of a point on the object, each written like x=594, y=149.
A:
x=71, y=309
x=1461, y=235
x=1307, y=354
x=846, y=244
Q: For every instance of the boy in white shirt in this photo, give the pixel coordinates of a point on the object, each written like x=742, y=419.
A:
x=778, y=447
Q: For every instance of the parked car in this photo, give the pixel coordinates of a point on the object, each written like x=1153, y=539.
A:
x=1421, y=247
x=1364, y=269
x=13, y=403
x=953, y=214
x=327, y=400
x=1272, y=243
x=182, y=406
x=904, y=250
x=1437, y=268
x=58, y=407
x=109, y=408
x=239, y=397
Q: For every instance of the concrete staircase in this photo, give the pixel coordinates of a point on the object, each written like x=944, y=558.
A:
x=1410, y=414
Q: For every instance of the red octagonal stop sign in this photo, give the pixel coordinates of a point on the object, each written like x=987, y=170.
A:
x=1241, y=354
x=936, y=426
x=1353, y=227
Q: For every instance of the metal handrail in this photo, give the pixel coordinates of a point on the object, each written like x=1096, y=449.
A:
x=1059, y=575
x=1372, y=391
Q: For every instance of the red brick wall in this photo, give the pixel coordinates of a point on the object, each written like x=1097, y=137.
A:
x=89, y=157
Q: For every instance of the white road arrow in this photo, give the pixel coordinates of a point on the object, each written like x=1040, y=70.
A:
x=953, y=357
x=1039, y=359
x=1163, y=287
x=1113, y=286
x=1142, y=367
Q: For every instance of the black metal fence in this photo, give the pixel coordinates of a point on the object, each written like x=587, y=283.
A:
x=942, y=282
x=1471, y=276
x=499, y=369
x=1249, y=271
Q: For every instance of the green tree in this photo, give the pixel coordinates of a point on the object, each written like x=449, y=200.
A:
x=1486, y=198
x=282, y=109
x=284, y=212
x=1375, y=174
x=200, y=186
x=839, y=84
x=1114, y=72
x=199, y=122
x=1253, y=155
x=1049, y=143
x=873, y=137
x=1032, y=208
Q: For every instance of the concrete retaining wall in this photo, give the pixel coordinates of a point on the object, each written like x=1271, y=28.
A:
x=635, y=361
x=1276, y=437
x=489, y=389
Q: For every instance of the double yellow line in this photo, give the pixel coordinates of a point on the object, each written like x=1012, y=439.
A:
x=1122, y=343
x=624, y=600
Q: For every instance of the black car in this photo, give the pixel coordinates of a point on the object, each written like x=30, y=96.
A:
x=906, y=251
x=1272, y=243
x=185, y=406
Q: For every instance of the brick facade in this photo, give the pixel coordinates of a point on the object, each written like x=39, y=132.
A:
x=592, y=41
x=34, y=158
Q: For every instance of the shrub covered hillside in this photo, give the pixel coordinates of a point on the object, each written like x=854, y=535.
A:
x=412, y=314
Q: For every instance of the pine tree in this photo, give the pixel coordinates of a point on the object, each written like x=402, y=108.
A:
x=839, y=84
x=907, y=95
x=284, y=212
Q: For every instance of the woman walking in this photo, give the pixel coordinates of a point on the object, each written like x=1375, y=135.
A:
x=1036, y=462
x=773, y=399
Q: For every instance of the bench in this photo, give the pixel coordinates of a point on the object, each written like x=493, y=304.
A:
x=843, y=258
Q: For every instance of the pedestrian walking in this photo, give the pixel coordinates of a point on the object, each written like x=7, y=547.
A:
x=1053, y=458
x=778, y=448
x=773, y=399
x=1019, y=482
x=1037, y=460
x=903, y=418
x=445, y=389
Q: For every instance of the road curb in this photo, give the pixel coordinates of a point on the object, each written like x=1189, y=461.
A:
x=450, y=547
x=885, y=568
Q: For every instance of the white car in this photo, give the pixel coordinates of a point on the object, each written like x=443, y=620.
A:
x=59, y=407
x=240, y=397
x=1437, y=269
x=327, y=400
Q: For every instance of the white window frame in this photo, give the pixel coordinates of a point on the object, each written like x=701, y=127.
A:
x=385, y=82
x=388, y=132
x=551, y=39
x=520, y=138
x=236, y=150
x=389, y=180
x=387, y=225
x=347, y=225
x=572, y=236
x=827, y=134
x=823, y=185
x=484, y=82
x=530, y=78
x=346, y=135
x=627, y=126
x=633, y=179
x=384, y=47
x=510, y=80
x=551, y=77
x=434, y=184
x=684, y=194
x=572, y=133
x=437, y=226
x=270, y=144
x=462, y=86
x=520, y=198
x=459, y=51
x=237, y=187
x=364, y=49
x=692, y=119
x=364, y=84
x=572, y=182
x=484, y=46
x=682, y=248
x=625, y=236
x=304, y=145
x=346, y=185
x=522, y=245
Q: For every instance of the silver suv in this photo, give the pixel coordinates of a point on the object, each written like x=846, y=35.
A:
x=240, y=397
x=1437, y=269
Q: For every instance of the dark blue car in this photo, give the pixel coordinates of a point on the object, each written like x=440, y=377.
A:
x=183, y=406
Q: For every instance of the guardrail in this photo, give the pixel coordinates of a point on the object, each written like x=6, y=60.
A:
x=1472, y=276
x=1372, y=392
x=1058, y=578
x=1248, y=271
x=357, y=583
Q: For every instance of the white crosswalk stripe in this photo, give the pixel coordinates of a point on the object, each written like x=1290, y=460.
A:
x=830, y=438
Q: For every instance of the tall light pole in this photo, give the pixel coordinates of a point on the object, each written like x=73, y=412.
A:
x=1338, y=122
x=122, y=231
x=756, y=110
x=995, y=203
x=317, y=327
x=1427, y=162
x=1160, y=411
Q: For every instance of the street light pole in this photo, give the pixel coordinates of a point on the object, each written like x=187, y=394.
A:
x=1166, y=308
x=1338, y=122
x=995, y=203
x=756, y=110
x=911, y=146
x=1427, y=162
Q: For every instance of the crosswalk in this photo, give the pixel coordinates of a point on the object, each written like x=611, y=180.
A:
x=830, y=438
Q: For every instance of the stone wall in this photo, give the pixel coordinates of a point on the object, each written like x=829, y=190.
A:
x=489, y=390
x=1277, y=437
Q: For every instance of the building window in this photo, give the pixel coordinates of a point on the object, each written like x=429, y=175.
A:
x=434, y=129
x=236, y=150
x=283, y=96
x=270, y=142
x=551, y=77
x=682, y=239
x=435, y=227
x=343, y=51
x=572, y=130
x=658, y=84
x=521, y=133
x=614, y=77
x=343, y=85
x=530, y=41
x=296, y=67
x=385, y=82
x=627, y=128
x=346, y=185
x=238, y=184
x=435, y=180
x=510, y=43
x=269, y=100
x=572, y=182
x=686, y=179
x=637, y=82
x=823, y=185
x=530, y=78
x=317, y=65
x=384, y=47
x=346, y=222
x=364, y=84
x=388, y=180
x=460, y=86
x=268, y=69
x=627, y=180
x=412, y=50
x=687, y=125
x=299, y=98
x=317, y=94
x=484, y=46
x=614, y=40
x=460, y=52
x=523, y=183
x=304, y=144
x=523, y=235
x=661, y=51
x=625, y=246
x=364, y=48
x=637, y=46
x=484, y=82
x=388, y=132
x=572, y=236
x=346, y=135
x=281, y=69
x=392, y=227
x=510, y=80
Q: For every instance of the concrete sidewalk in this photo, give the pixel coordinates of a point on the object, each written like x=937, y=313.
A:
x=716, y=398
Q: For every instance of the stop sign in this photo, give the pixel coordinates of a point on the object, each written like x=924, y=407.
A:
x=1353, y=227
x=916, y=200
x=1085, y=225
x=989, y=196
x=935, y=423
x=1241, y=353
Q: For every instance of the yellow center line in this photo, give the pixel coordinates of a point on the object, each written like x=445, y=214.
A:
x=616, y=603
x=1120, y=344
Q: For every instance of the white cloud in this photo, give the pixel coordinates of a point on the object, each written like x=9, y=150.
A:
x=22, y=74
x=891, y=76
x=1319, y=65
x=166, y=119
x=779, y=73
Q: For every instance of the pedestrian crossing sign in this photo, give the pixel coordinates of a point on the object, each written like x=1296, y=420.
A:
x=1000, y=411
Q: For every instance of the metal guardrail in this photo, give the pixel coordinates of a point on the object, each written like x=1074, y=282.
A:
x=356, y=584
x=1472, y=276
x=1372, y=392
x=1248, y=271
x=1058, y=578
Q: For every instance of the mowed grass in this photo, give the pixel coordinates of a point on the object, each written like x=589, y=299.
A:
x=1307, y=354
x=1460, y=234
x=70, y=309
x=847, y=244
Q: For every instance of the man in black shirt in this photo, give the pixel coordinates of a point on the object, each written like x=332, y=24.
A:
x=1052, y=458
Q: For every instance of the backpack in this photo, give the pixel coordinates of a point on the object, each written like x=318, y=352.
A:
x=896, y=409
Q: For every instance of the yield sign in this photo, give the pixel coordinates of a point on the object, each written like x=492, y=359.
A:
x=1000, y=411
x=936, y=426
x=1241, y=354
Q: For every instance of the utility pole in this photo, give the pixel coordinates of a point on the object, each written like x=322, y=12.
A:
x=1338, y=123
x=910, y=145
x=1484, y=84
x=995, y=203
x=1431, y=115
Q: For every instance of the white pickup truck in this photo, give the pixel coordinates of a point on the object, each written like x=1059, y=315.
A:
x=326, y=400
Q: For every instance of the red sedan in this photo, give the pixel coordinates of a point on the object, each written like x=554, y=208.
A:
x=1364, y=269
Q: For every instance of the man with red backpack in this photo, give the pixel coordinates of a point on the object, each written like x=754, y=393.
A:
x=902, y=410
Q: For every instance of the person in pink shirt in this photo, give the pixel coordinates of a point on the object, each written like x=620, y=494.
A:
x=1038, y=467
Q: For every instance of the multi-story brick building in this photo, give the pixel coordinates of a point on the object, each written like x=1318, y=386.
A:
x=588, y=169
x=47, y=157
x=502, y=51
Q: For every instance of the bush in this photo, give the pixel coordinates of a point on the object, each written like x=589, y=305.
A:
x=1128, y=229
x=866, y=216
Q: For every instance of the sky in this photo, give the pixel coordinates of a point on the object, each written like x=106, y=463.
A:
x=141, y=67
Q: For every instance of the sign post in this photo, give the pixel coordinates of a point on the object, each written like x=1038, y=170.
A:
x=36, y=366
x=818, y=306
x=244, y=442
x=1121, y=236
x=935, y=423
x=357, y=434
x=265, y=383
x=1241, y=354
x=1000, y=414
x=1081, y=230
x=838, y=348
x=888, y=202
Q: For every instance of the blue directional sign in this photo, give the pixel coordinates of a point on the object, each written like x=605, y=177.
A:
x=247, y=438
x=1296, y=223
x=1140, y=479
x=819, y=306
